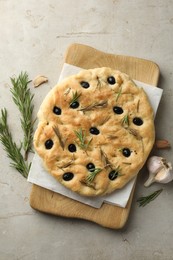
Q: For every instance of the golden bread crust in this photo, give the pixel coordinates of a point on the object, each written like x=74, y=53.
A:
x=95, y=131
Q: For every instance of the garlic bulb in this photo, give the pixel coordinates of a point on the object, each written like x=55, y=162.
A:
x=159, y=170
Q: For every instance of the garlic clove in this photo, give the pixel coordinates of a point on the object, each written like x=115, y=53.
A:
x=165, y=175
x=149, y=181
x=154, y=164
x=159, y=170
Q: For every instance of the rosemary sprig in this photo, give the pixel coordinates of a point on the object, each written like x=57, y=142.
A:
x=143, y=201
x=13, y=151
x=22, y=97
x=96, y=105
x=57, y=132
x=105, y=159
x=128, y=163
x=89, y=184
x=135, y=133
x=104, y=120
x=100, y=82
x=81, y=135
x=67, y=91
x=75, y=97
x=137, y=107
x=112, y=137
x=125, y=121
x=119, y=93
x=93, y=174
x=116, y=172
x=66, y=165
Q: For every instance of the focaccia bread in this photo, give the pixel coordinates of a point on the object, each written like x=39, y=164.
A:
x=95, y=131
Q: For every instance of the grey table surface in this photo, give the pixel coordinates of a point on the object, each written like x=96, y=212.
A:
x=33, y=37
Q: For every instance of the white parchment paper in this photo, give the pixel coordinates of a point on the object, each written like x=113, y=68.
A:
x=38, y=175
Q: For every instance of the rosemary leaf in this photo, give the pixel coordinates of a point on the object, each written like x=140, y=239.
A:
x=23, y=98
x=128, y=163
x=100, y=82
x=137, y=108
x=93, y=174
x=112, y=137
x=105, y=159
x=116, y=173
x=81, y=135
x=119, y=93
x=75, y=97
x=11, y=148
x=96, y=105
x=135, y=133
x=104, y=120
x=125, y=121
x=57, y=132
x=143, y=201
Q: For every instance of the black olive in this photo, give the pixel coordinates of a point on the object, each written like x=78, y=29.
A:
x=113, y=175
x=84, y=84
x=111, y=80
x=57, y=110
x=68, y=176
x=126, y=152
x=137, y=121
x=94, y=131
x=49, y=144
x=74, y=105
x=72, y=148
x=90, y=167
x=118, y=110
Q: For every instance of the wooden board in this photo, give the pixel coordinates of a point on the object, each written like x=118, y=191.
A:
x=53, y=203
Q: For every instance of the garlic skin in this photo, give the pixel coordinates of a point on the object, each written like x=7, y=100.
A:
x=165, y=175
x=39, y=80
x=159, y=171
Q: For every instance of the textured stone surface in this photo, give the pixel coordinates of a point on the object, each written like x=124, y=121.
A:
x=34, y=36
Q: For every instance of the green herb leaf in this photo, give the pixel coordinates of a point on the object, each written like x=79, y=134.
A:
x=125, y=121
x=119, y=93
x=96, y=105
x=116, y=172
x=11, y=148
x=137, y=107
x=81, y=135
x=57, y=132
x=143, y=201
x=23, y=98
x=105, y=159
x=93, y=174
x=75, y=97
x=100, y=82
x=135, y=133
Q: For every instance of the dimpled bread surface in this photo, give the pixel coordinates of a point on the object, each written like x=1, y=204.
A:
x=95, y=131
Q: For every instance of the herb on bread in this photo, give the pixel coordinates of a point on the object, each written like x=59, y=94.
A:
x=82, y=143
x=100, y=82
x=105, y=159
x=125, y=121
x=119, y=93
x=138, y=105
x=75, y=97
x=57, y=132
x=91, y=176
x=135, y=133
x=96, y=105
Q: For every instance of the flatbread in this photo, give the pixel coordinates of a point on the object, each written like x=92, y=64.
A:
x=95, y=131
